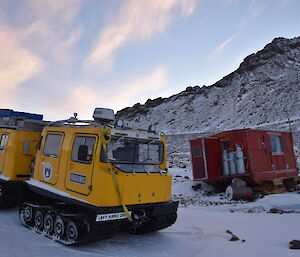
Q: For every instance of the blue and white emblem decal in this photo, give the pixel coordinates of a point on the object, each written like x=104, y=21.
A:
x=47, y=171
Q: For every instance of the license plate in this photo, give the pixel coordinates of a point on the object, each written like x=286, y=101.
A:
x=111, y=216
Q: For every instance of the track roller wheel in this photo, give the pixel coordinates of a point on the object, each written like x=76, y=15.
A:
x=72, y=231
x=59, y=227
x=39, y=220
x=48, y=223
x=28, y=213
x=25, y=214
x=1, y=190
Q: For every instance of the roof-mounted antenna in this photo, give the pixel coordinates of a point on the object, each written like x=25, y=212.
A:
x=73, y=119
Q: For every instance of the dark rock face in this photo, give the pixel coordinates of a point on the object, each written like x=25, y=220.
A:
x=131, y=112
x=277, y=47
x=277, y=64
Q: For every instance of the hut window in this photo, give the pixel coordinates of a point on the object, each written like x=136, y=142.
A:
x=276, y=144
x=197, y=152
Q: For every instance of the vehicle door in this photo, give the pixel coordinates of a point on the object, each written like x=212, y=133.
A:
x=3, y=143
x=50, y=157
x=81, y=163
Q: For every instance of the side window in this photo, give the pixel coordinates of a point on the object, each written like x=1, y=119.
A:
x=3, y=142
x=276, y=144
x=83, y=148
x=52, y=145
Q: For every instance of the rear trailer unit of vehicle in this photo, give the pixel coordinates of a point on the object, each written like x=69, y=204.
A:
x=92, y=178
x=265, y=160
x=19, y=134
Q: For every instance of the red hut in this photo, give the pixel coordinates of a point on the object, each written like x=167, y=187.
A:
x=256, y=156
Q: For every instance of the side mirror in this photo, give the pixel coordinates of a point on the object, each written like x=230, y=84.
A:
x=82, y=153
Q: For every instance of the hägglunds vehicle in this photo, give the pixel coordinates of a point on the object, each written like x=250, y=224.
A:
x=19, y=134
x=93, y=178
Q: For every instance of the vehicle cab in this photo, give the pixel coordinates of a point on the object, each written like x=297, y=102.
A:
x=84, y=160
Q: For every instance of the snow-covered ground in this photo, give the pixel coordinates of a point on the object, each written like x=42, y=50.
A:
x=200, y=230
x=197, y=232
x=205, y=198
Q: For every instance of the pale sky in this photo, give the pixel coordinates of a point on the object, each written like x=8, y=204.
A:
x=58, y=57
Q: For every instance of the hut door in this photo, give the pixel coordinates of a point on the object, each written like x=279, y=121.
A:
x=198, y=161
x=277, y=150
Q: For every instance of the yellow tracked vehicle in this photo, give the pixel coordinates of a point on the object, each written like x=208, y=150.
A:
x=19, y=134
x=92, y=178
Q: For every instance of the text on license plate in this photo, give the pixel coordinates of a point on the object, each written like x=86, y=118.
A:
x=111, y=216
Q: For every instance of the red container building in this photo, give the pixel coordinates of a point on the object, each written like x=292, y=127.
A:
x=256, y=156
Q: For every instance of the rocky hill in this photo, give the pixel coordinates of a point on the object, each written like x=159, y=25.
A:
x=263, y=92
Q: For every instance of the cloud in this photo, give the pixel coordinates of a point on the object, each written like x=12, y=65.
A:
x=220, y=48
x=64, y=10
x=140, y=89
x=86, y=96
x=228, y=2
x=36, y=43
x=255, y=8
x=16, y=66
x=137, y=20
x=51, y=32
x=287, y=2
x=45, y=27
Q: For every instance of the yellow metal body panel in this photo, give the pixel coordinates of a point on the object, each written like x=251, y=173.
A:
x=99, y=189
x=14, y=164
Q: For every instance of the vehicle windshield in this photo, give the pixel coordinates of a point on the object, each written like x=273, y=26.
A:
x=133, y=151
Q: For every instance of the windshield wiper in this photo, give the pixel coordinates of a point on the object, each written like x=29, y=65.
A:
x=152, y=141
x=120, y=138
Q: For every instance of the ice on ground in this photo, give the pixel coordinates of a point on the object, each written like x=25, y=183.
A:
x=197, y=232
